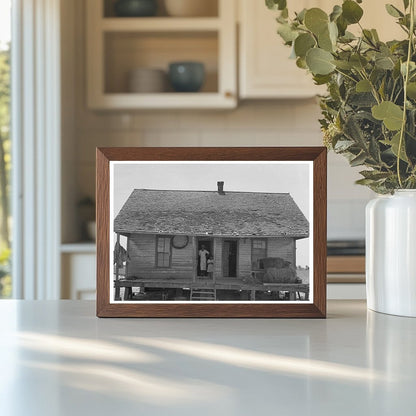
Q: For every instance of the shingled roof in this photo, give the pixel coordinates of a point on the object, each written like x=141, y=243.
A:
x=236, y=214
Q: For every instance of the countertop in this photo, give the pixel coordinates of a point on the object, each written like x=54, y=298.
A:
x=57, y=358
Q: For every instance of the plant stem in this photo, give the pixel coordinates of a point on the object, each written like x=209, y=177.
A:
x=373, y=88
x=405, y=81
x=346, y=75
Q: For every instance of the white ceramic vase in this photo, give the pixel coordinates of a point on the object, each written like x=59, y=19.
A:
x=391, y=253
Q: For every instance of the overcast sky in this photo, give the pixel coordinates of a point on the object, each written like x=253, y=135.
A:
x=253, y=177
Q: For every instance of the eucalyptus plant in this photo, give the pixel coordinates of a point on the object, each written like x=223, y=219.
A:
x=369, y=111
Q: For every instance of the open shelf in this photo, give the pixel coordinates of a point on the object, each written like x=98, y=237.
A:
x=80, y=247
x=119, y=45
x=210, y=9
x=346, y=269
x=167, y=100
x=127, y=51
x=160, y=24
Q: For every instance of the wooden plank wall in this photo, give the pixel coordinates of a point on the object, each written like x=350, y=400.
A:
x=143, y=259
x=217, y=258
x=284, y=248
x=244, y=258
x=142, y=251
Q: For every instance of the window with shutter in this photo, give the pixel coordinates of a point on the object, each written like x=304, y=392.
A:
x=163, y=251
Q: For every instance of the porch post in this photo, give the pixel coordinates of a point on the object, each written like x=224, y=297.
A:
x=194, y=261
x=217, y=258
x=128, y=257
x=117, y=291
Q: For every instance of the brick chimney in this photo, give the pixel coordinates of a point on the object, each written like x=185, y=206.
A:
x=220, y=186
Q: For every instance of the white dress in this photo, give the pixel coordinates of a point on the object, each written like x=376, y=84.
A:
x=203, y=259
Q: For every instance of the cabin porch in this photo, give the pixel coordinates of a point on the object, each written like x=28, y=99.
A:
x=243, y=289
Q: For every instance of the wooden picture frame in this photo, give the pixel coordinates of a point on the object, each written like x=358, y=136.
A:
x=309, y=302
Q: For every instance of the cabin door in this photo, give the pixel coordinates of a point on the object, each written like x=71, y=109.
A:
x=229, y=258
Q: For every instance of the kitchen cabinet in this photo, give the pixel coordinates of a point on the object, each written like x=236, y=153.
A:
x=78, y=263
x=118, y=45
x=265, y=70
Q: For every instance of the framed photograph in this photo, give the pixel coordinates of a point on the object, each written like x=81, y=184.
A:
x=211, y=232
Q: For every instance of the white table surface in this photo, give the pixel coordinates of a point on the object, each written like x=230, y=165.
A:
x=57, y=358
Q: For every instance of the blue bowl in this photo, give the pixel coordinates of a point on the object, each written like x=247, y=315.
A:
x=187, y=76
x=135, y=8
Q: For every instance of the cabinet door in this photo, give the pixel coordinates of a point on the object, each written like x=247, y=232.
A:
x=78, y=276
x=265, y=68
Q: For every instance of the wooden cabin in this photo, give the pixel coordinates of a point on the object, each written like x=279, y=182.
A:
x=165, y=230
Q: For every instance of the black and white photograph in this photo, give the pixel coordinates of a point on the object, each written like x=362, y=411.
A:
x=192, y=231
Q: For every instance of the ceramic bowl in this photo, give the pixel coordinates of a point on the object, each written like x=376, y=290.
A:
x=147, y=80
x=191, y=8
x=186, y=76
x=135, y=8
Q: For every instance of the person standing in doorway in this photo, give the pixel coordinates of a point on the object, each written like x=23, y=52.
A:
x=210, y=266
x=203, y=255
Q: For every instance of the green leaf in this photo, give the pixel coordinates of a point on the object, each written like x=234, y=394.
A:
x=388, y=112
x=411, y=90
x=301, y=63
x=325, y=42
x=276, y=4
x=351, y=11
x=358, y=61
x=336, y=12
x=316, y=20
x=363, y=86
x=368, y=36
x=365, y=182
x=362, y=99
x=393, y=11
x=342, y=25
x=358, y=160
x=345, y=65
x=405, y=21
x=343, y=145
x=375, y=35
x=303, y=43
x=333, y=32
x=287, y=33
x=319, y=61
x=374, y=174
x=412, y=67
x=321, y=79
x=282, y=20
x=347, y=37
x=374, y=150
x=301, y=15
x=382, y=89
x=377, y=75
x=396, y=70
x=384, y=62
x=394, y=145
x=354, y=132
